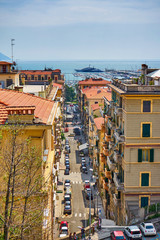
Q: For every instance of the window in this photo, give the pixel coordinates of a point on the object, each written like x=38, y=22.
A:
x=144, y=202
x=144, y=179
x=146, y=106
x=146, y=130
x=145, y=155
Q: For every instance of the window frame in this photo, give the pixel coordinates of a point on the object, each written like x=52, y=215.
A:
x=140, y=196
x=140, y=179
x=142, y=123
x=145, y=100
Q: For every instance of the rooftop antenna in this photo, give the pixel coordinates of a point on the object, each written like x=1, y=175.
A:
x=12, y=44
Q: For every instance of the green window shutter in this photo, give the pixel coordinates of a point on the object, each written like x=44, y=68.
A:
x=152, y=155
x=139, y=155
x=145, y=179
x=146, y=130
x=144, y=202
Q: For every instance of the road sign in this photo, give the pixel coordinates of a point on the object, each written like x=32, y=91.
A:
x=99, y=211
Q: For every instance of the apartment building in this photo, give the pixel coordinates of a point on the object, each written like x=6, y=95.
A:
x=8, y=76
x=40, y=121
x=131, y=150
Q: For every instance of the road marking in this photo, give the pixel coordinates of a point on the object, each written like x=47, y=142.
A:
x=80, y=214
x=75, y=215
x=84, y=214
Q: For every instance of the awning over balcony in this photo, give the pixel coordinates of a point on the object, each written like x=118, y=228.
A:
x=83, y=146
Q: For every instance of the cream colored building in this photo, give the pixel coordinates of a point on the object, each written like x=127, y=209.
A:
x=132, y=150
x=8, y=77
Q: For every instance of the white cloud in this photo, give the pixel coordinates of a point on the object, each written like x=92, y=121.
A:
x=55, y=13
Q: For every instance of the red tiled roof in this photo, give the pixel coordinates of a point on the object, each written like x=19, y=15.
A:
x=98, y=93
x=57, y=85
x=95, y=106
x=6, y=63
x=94, y=81
x=98, y=122
x=35, y=72
x=15, y=98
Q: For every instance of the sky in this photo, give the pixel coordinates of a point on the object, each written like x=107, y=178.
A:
x=80, y=29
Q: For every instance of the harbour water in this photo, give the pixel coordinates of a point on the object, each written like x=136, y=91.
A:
x=68, y=67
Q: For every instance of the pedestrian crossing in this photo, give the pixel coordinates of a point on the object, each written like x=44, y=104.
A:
x=76, y=182
x=80, y=215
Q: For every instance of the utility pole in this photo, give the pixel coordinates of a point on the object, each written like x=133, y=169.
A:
x=12, y=44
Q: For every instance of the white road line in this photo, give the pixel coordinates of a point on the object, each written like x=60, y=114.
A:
x=84, y=214
x=75, y=215
x=73, y=182
x=80, y=214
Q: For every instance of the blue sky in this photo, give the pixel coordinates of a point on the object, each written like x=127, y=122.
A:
x=80, y=29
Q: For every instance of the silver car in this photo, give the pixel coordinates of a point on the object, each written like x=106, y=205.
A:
x=133, y=232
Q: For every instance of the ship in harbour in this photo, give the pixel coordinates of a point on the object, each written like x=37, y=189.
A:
x=89, y=69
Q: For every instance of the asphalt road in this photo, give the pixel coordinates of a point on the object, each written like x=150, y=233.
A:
x=80, y=206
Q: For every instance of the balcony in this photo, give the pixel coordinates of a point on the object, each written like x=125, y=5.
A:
x=102, y=158
x=110, y=163
x=118, y=135
x=116, y=200
x=111, y=124
x=107, y=137
x=111, y=185
x=105, y=151
x=111, y=144
x=117, y=157
x=108, y=174
x=105, y=185
x=118, y=111
x=119, y=185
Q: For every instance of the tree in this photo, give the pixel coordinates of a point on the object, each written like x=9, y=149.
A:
x=21, y=171
x=69, y=93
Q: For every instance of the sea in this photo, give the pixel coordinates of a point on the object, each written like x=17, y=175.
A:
x=68, y=67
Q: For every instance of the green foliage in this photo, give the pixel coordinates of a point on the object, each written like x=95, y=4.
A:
x=69, y=93
x=62, y=136
x=154, y=216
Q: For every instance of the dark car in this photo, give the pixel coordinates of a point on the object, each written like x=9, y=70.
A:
x=67, y=197
x=66, y=172
x=66, y=162
x=67, y=181
x=88, y=193
x=67, y=209
x=67, y=166
x=84, y=170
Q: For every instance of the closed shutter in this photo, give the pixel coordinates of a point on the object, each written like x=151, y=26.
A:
x=139, y=155
x=144, y=202
x=146, y=130
x=146, y=106
x=145, y=179
x=152, y=155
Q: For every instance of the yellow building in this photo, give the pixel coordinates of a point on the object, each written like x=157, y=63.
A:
x=41, y=123
x=8, y=77
x=131, y=150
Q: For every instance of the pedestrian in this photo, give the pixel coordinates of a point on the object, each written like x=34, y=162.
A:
x=74, y=236
x=83, y=233
x=70, y=236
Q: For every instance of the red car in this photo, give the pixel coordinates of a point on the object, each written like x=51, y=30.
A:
x=117, y=235
x=63, y=224
x=66, y=129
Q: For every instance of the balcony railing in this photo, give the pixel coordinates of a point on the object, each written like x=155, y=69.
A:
x=107, y=137
x=119, y=185
x=105, y=151
x=117, y=157
x=110, y=163
x=111, y=124
x=116, y=200
x=118, y=111
x=111, y=185
x=118, y=135
x=105, y=185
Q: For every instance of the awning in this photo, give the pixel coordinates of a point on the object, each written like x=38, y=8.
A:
x=83, y=146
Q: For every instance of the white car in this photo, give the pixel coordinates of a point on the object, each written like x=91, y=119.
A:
x=63, y=232
x=148, y=229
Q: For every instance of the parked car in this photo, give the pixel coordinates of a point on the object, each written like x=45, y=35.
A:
x=66, y=141
x=66, y=185
x=133, y=232
x=63, y=232
x=68, y=191
x=68, y=203
x=66, y=130
x=63, y=224
x=148, y=229
x=67, y=181
x=67, y=166
x=117, y=235
x=84, y=170
x=67, y=197
x=67, y=209
x=87, y=184
x=66, y=155
x=66, y=162
x=66, y=172
x=89, y=194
